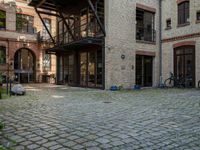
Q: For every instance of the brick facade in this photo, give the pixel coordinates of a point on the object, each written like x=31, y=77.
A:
x=120, y=19
x=180, y=36
x=13, y=40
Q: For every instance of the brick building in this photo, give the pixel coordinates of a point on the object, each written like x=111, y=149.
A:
x=125, y=42
x=22, y=36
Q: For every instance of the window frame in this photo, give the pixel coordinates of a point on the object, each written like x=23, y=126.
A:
x=25, y=25
x=145, y=29
x=3, y=21
x=198, y=16
x=167, y=25
x=44, y=65
x=45, y=34
x=183, y=13
x=3, y=50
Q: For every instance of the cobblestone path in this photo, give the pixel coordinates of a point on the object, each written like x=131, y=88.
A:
x=61, y=118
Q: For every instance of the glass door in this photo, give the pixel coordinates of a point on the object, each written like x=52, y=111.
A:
x=91, y=69
x=184, y=64
x=83, y=69
x=144, y=70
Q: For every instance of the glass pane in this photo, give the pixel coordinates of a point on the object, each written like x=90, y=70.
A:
x=99, y=66
x=71, y=69
x=139, y=71
x=180, y=66
x=83, y=69
x=189, y=69
x=91, y=69
x=66, y=69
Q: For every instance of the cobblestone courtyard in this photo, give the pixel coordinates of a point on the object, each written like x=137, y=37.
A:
x=58, y=117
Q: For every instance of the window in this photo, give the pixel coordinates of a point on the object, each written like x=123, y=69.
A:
x=198, y=15
x=2, y=20
x=24, y=23
x=145, y=29
x=46, y=62
x=2, y=55
x=45, y=34
x=168, y=24
x=183, y=13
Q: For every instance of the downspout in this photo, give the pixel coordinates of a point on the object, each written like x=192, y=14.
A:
x=160, y=43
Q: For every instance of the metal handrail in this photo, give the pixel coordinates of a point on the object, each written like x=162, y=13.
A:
x=145, y=34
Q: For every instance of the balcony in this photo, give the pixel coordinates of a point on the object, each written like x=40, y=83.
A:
x=145, y=34
x=79, y=22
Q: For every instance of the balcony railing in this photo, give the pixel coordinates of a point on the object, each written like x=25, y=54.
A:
x=145, y=34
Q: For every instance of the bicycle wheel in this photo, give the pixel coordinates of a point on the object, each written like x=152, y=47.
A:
x=169, y=83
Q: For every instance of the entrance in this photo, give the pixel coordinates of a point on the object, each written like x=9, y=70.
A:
x=144, y=70
x=24, y=66
x=90, y=63
x=184, y=64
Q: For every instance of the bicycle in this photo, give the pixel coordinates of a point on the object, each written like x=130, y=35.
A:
x=174, y=81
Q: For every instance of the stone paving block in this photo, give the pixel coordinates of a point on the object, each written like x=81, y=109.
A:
x=69, y=144
x=49, y=144
x=33, y=146
x=149, y=119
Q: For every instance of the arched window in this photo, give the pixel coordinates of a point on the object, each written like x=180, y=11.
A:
x=183, y=12
x=2, y=20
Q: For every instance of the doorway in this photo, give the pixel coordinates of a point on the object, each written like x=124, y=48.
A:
x=24, y=66
x=184, y=64
x=144, y=70
x=90, y=70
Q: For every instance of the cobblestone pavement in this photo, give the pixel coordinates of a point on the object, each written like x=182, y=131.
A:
x=61, y=118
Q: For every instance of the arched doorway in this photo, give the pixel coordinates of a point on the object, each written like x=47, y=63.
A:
x=24, y=66
x=184, y=63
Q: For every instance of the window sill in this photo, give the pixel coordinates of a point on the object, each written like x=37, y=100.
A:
x=183, y=25
x=145, y=42
x=168, y=28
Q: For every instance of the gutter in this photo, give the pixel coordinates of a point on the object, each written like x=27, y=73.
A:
x=160, y=43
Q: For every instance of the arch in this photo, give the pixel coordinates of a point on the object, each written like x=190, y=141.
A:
x=184, y=63
x=181, y=1
x=185, y=43
x=25, y=65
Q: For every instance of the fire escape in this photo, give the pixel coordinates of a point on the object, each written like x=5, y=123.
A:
x=83, y=22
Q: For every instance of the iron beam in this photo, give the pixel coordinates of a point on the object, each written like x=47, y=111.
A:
x=45, y=26
x=97, y=17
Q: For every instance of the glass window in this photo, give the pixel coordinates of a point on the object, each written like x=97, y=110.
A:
x=24, y=23
x=145, y=28
x=47, y=62
x=45, y=34
x=2, y=20
x=183, y=13
x=168, y=23
x=198, y=15
x=2, y=55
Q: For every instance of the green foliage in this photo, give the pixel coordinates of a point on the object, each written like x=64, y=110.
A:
x=1, y=126
x=1, y=78
x=2, y=15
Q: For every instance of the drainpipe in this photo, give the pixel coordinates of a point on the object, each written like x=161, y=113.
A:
x=160, y=42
